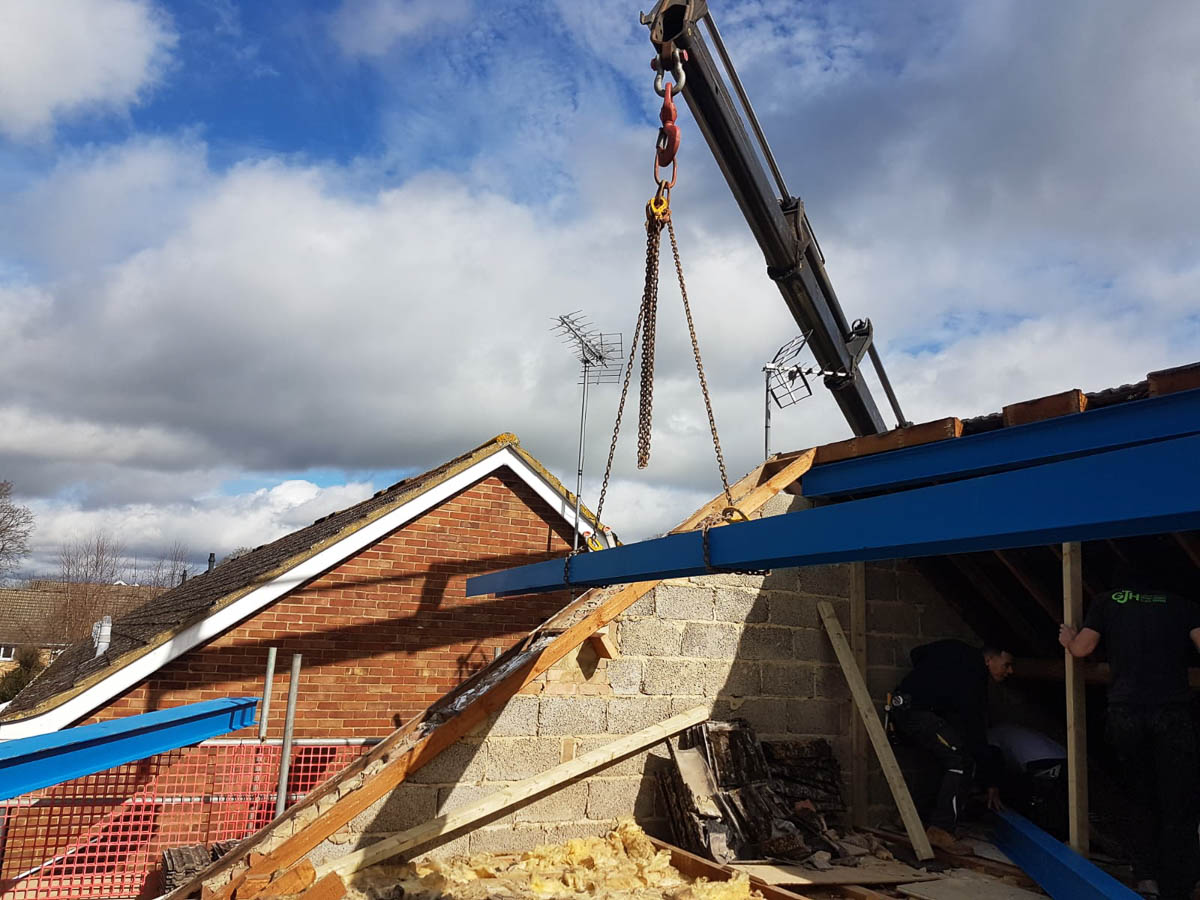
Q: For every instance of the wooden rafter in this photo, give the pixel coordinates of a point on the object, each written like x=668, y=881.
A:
x=1031, y=586
x=1020, y=626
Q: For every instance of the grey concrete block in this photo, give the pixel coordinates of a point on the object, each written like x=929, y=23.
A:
x=738, y=678
x=625, y=676
x=563, y=805
x=793, y=609
x=732, y=580
x=788, y=679
x=766, y=642
x=643, y=607
x=893, y=618
x=683, y=601
x=456, y=796
x=684, y=702
x=565, y=831
x=512, y=759
x=572, y=715
x=713, y=640
x=735, y=605
x=629, y=714
x=938, y=620
x=913, y=588
x=821, y=717
x=613, y=798
x=882, y=679
x=461, y=761
x=881, y=585
x=766, y=716
x=649, y=637
x=518, y=717
x=881, y=650
x=408, y=805
x=828, y=581
x=830, y=684
x=812, y=645
x=506, y=838
x=673, y=676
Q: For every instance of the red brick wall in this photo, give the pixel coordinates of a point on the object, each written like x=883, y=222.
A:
x=386, y=632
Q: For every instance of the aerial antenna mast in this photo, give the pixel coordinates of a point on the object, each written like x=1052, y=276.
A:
x=599, y=354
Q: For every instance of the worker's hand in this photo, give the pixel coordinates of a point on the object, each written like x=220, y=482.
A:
x=1066, y=634
x=993, y=799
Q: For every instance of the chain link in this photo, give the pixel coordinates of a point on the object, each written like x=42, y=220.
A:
x=649, y=316
x=687, y=309
x=612, y=447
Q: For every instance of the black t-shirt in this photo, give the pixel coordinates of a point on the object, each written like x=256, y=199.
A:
x=949, y=678
x=1145, y=634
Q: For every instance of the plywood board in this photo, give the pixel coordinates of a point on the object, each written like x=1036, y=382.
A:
x=881, y=873
x=960, y=888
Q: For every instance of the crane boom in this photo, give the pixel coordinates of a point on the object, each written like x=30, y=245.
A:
x=794, y=261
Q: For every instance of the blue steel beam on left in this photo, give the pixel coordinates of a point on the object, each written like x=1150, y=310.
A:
x=1146, y=489
x=27, y=764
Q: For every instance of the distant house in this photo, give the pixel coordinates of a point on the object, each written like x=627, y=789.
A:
x=371, y=596
x=38, y=614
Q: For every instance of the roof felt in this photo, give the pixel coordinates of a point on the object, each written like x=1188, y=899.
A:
x=154, y=621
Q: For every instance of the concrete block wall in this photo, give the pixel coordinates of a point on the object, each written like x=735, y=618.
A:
x=743, y=646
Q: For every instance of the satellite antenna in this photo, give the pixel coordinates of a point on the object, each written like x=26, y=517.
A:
x=599, y=355
x=786, y=382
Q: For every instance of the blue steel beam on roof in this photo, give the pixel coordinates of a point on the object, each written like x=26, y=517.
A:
x=1146, y=489
x=1122, y=425
x=1059, y=871
x=27, y=764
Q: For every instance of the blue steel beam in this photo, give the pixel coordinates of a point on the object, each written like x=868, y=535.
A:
x=1123, y=425
x=1060, y=871
x=27, y=764
x=1147, y=489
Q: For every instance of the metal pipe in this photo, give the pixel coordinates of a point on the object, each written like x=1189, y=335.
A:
x=266, y=700
x=742, y=96
x=289, y=722
x=887, y=386
x=579, y=474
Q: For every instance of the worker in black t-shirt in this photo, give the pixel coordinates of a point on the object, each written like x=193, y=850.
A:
x=1148, y=636
x=941, y=707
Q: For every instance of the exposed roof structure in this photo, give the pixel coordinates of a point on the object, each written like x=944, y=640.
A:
x=163, y=628
x=289, y=838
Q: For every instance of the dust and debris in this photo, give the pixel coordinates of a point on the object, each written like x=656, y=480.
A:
x=622, y=865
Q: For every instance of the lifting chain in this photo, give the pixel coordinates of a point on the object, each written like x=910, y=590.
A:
x=658, y=217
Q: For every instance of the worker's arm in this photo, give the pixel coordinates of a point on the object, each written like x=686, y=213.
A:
x=1084, y=642
x=1194, y=634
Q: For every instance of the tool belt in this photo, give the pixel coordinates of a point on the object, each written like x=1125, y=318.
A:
x=895, y=702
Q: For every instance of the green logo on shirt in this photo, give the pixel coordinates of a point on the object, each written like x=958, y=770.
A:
x=1126, y=595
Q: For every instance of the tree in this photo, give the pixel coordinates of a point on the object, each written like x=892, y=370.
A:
x=29, y=663
x=16, y=524
x=100, y=580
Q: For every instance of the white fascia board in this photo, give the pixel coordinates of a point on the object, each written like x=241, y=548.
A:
x=228, y=616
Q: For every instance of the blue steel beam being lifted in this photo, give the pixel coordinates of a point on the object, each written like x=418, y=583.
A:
x=1123, y=425
x=1145, y=489
x=27, y=764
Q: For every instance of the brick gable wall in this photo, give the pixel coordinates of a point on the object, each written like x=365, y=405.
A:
x=388, y=631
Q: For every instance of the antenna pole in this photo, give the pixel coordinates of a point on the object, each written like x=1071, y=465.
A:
x=579, y=472
x=767, y=416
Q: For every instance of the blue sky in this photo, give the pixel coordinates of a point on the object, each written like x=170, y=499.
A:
x=258, y=260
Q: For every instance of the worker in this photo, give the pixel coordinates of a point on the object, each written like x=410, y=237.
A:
x=1148, y=635
x=941, y=707
x=1034, y=780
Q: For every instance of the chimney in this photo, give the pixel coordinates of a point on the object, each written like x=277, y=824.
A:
x=212, y=561
x=102, y=634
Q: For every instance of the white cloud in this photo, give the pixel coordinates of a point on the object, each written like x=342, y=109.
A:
x=373, y=27
x=217, y=523
x=72, y=56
